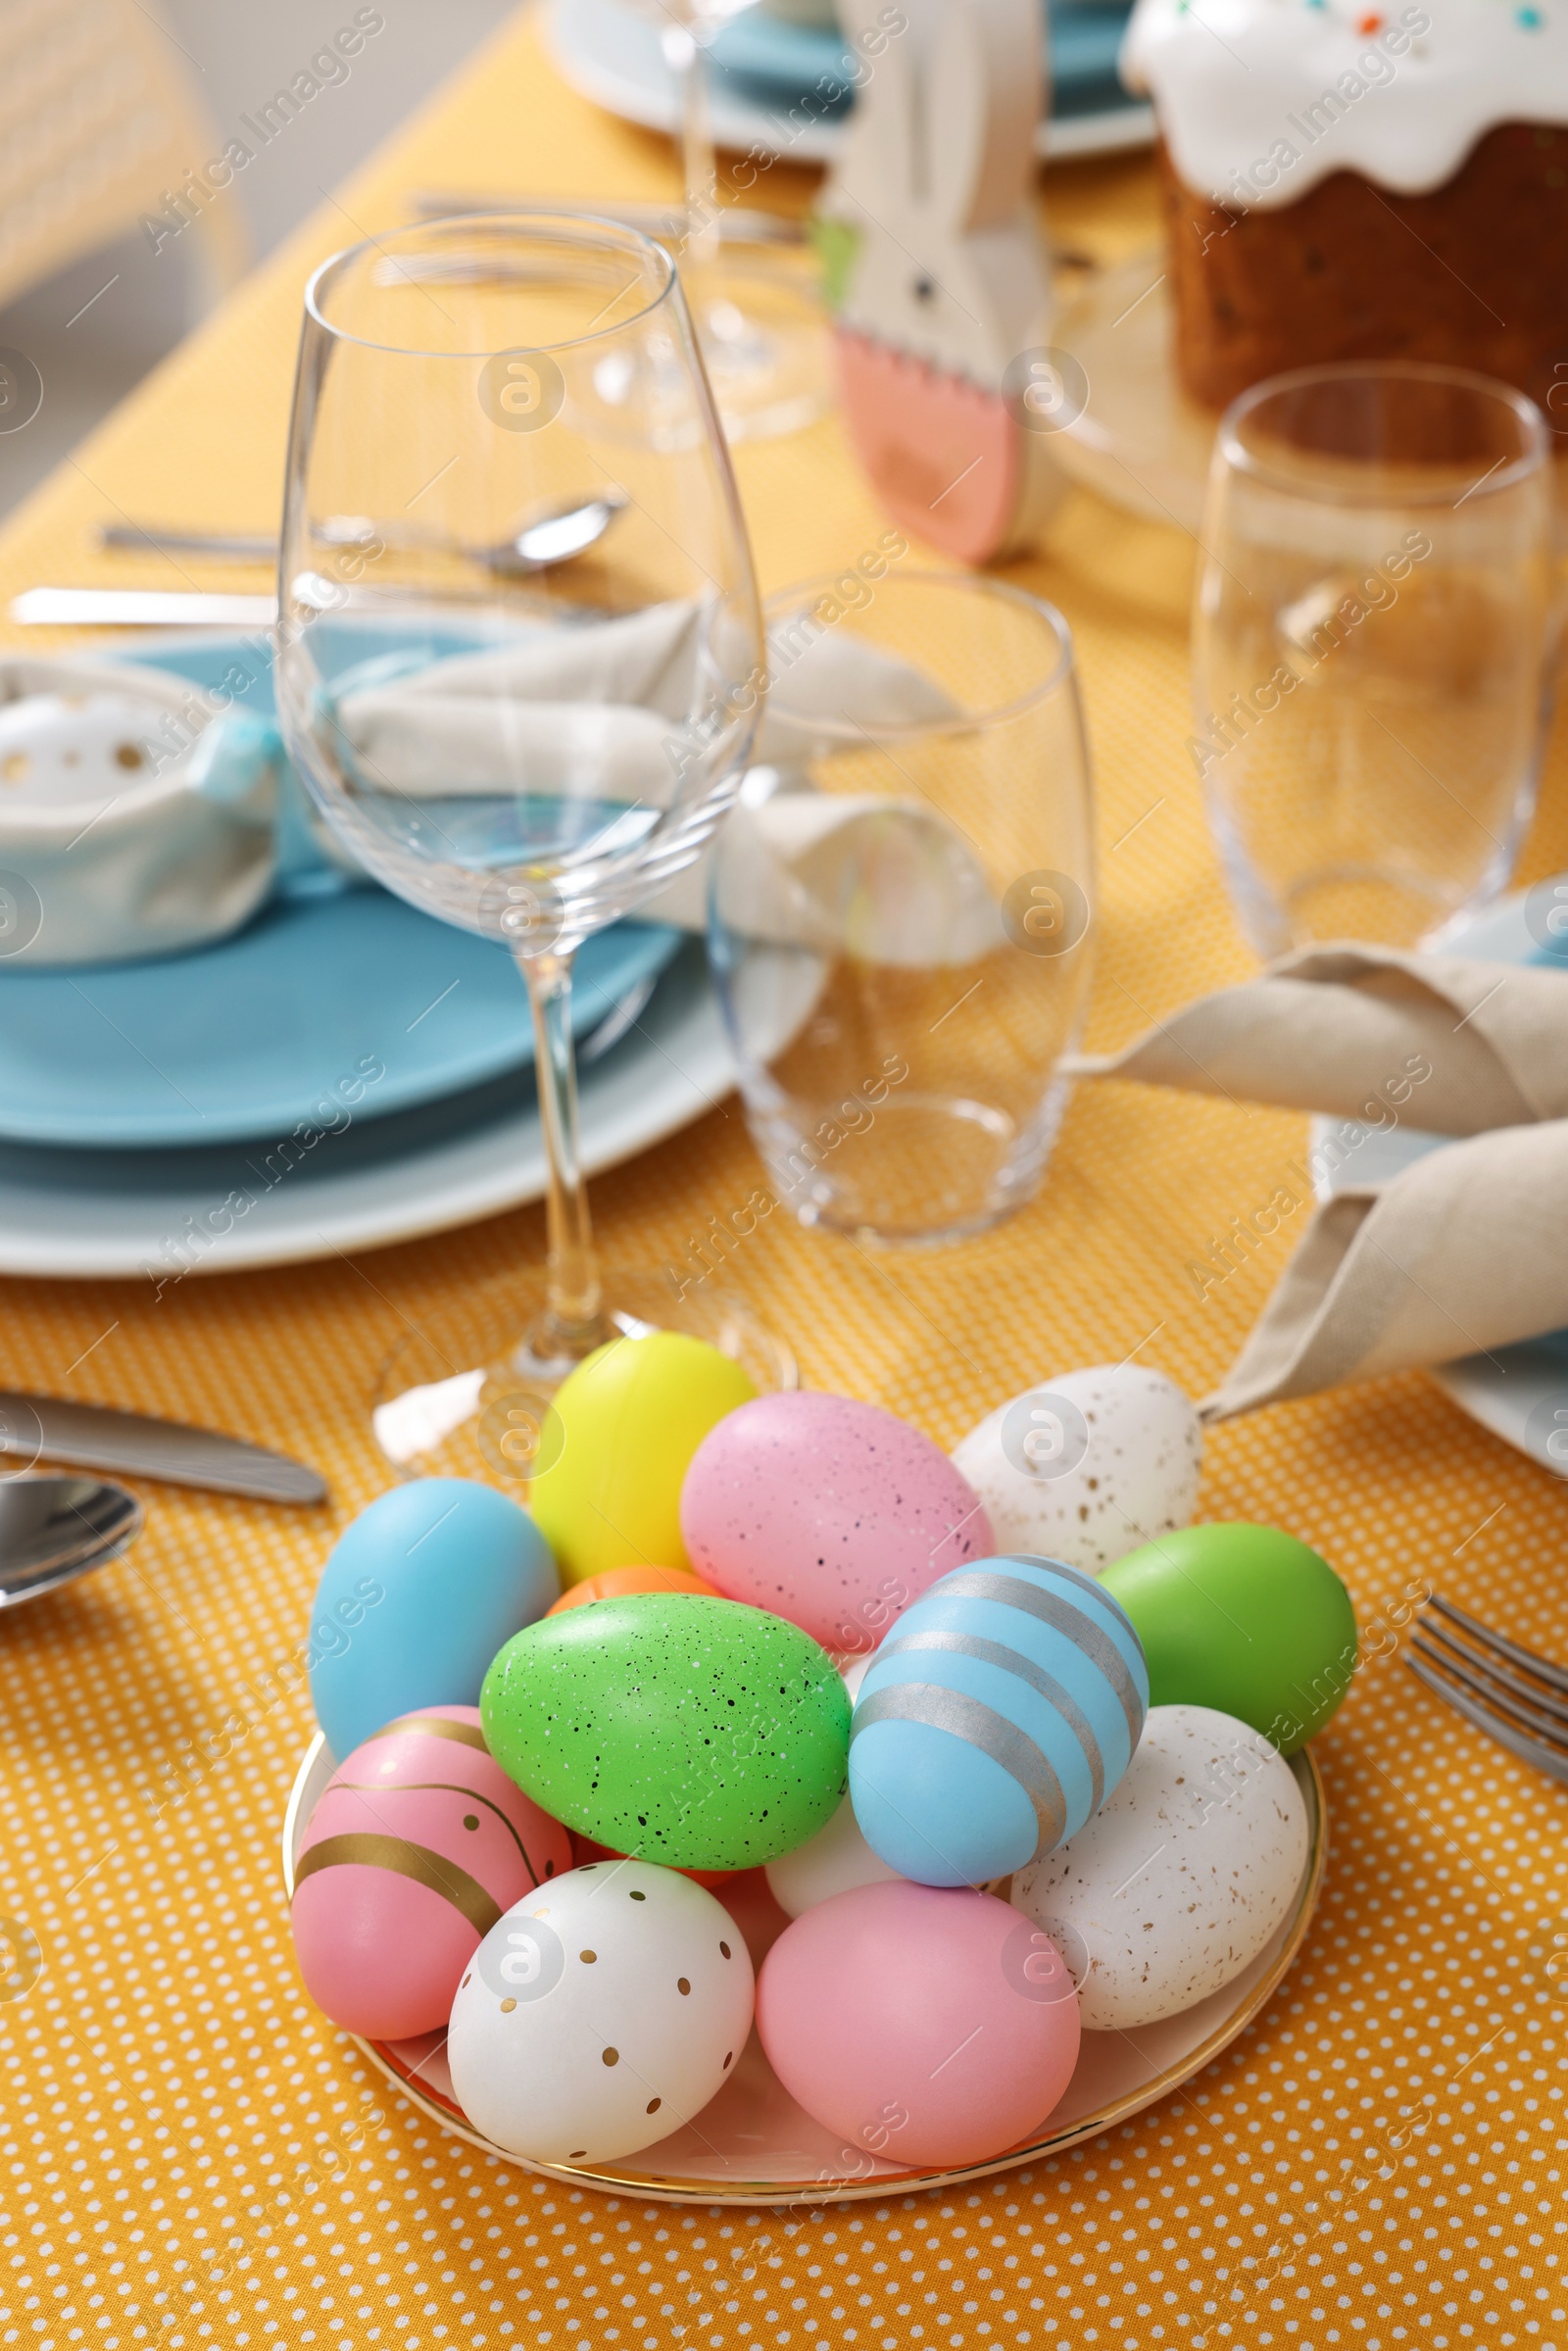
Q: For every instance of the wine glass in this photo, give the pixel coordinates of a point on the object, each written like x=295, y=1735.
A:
x=760, y=323
x=528, y=756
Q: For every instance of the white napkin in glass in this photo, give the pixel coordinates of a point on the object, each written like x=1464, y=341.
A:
x=598, y=714
x=132, y=820
x=606, y=711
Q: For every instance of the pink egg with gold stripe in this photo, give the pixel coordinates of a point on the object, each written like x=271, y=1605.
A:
x=417, y=1844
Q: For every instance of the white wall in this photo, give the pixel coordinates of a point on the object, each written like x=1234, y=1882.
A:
x=238, y=53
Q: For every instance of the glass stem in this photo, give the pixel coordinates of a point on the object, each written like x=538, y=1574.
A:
x=574, y=1321
x=684, y=58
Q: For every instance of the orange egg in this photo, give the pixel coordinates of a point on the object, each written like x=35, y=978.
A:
x=614, y=1583
x=585, y=1849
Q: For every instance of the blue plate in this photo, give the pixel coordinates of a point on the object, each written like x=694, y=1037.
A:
x=342, y=996
x=770, y=59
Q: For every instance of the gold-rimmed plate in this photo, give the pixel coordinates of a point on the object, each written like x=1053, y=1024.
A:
x=754, y=2145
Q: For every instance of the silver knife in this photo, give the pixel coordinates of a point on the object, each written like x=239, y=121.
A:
x=97, y=1437
x=139, y=607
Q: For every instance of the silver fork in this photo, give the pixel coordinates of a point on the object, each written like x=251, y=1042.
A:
x=1519, y=1699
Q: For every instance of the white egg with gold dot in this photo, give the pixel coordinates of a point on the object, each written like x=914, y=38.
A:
x=600, y=2014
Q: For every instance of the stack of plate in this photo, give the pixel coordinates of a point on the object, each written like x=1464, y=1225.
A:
x=343, y=1072
x=782, y=87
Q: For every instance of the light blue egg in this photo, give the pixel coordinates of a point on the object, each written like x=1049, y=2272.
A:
x=415, y=1598
x=997, y=1714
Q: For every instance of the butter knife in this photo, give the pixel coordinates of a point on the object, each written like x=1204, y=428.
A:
x=139, y=607
x=97, y=1437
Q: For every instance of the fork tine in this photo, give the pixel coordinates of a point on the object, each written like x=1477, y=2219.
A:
x=1542, y=1667
x=1528, y=1750
x=1524, y=1718
x=1554, y=1718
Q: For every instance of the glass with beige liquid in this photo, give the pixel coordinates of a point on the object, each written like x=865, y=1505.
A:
x=903, y=901
x=1373, y=647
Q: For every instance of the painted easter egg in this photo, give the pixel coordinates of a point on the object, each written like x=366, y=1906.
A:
x=1180, y=1878
x=600, y=2015
x=1088, y=1465
x=926, y=2026
x=827, y=1511
x=999, y=1714
x=417, y=1844
x=832, y=1862
x=1245, y=1619
x=588, y=1849
x=616, y=1581
x=416, y=1597
x=694, y=1732
x=618, y=1435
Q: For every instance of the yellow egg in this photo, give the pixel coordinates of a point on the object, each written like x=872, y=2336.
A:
x=618, y=1438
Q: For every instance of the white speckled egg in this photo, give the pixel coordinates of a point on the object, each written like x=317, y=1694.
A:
x=600, y=2012
x=1087, y=1466
x=829, y=1862
x=1183, y=1875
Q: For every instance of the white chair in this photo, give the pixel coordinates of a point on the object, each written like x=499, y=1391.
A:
x=99, y=125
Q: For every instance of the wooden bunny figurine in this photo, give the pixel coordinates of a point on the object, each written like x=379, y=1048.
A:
x=947, y=299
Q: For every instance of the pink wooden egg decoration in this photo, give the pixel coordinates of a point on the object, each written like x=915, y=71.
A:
x=417, y=1844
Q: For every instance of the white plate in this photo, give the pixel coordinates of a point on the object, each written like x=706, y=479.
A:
x=757, y=2147
x=609, y=51
x=1502, y=1390
x=1140, y=441
x=72, y=1214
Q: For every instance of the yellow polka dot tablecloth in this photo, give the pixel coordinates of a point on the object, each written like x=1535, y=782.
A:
x=191, y=2156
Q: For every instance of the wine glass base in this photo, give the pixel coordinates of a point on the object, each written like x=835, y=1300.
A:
x=465, y=1393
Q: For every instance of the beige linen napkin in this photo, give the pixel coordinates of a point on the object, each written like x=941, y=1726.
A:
x=1460, y=1046
x=1463, y=1252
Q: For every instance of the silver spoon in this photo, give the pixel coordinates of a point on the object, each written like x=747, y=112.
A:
x=554, y=534
x=54, y=1529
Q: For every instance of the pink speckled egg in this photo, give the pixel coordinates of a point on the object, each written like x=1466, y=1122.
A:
x=417, y=1844
x=931, y=2026
x=827, y=1511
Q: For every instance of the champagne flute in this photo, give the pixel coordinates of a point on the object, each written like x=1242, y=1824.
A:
x=528, y=758
x=1374, y=642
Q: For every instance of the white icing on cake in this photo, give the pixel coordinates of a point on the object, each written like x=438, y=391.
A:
x=1260, y=99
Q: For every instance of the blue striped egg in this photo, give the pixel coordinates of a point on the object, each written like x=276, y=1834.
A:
x=999, y=1713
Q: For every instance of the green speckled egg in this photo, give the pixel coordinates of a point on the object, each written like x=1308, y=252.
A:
x=1248, y=1619
x=697, y=1733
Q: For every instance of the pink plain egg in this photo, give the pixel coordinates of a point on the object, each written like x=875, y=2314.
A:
x=827, y=1511
x=417, y=1844
x=929, y=2025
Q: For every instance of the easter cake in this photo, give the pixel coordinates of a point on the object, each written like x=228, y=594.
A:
x=1349, y=182
x=809, y=1837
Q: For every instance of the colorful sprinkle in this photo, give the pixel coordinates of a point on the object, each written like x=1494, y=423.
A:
x=1530, y=18
x=1369, y=24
